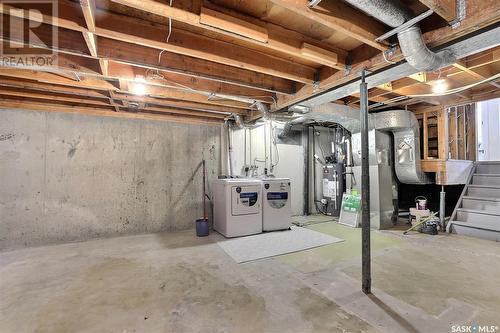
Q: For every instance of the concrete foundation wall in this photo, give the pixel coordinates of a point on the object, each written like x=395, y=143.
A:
x=69, y=177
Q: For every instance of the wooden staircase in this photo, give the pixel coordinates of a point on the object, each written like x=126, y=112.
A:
x=477, y=213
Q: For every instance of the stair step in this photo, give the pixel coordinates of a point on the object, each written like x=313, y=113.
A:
x=477, y=230
x=491, y=167
x=486, y=179
x=476, y=217
x=478, y=203
x=483, y=191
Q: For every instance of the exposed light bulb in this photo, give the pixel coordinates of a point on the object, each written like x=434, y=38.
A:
x=138, y=86
x=440, y=86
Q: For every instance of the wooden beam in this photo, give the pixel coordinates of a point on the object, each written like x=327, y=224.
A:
x=190, y=67
x=89, y=9
x=127, y=73
x=132, y=30
x=280, y=39
x=198, y=46
x=176, y=103
x=160, y=92
x=91, y=41
x=425, y=125
x=104, y=65
x=67, y=17
x=482, y=13
x=159, y=8
x=239, y=27
x=25, y=88
x=86, y=82
x=92, y=111
x=47, y=95
x=234, y=25
x=444, y=8
x=340, y=17
x=183, y=112
x=484, y=58
x=97, y=84
x=320, y=55
x=39, y=86
x=477, y=72
x=180, y=82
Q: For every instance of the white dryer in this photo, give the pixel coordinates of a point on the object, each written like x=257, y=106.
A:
x=237, y=207
x=277, y=207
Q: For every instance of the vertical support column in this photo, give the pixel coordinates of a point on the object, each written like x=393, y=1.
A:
x=426, y=136
x=307, y=166
x=365, y=189
x=442, y=207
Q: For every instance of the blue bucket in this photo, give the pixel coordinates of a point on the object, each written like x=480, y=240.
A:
x=202, y=227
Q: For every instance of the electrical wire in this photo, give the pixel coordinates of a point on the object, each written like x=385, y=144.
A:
x=169, y=25
x=387, y=60
x=168, y=35
x=458, y=90
x=277, y=154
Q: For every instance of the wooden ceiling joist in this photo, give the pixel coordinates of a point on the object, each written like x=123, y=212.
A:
x=198, y=46
x=191, y=66
x=134, y=54
x=86, y=82
x=27, y=88
x=480, y=14
x=182, y=82
x=339, y=16
x=8, y=103
x=24, y=84
x=218, y=56
x=263, y=34
x=447, y=9
x=216, y=87
x=234, y=25
x=50, y=96
x=177, y=103
x=183, y=42
x=162, y=9
x=96, y=84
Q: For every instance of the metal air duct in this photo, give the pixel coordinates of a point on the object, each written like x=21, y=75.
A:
x=394, y=14
x=402, y=123
x=404, y=126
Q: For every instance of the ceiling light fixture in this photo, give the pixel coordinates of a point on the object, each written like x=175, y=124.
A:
x=440, y=86
x=138, y=86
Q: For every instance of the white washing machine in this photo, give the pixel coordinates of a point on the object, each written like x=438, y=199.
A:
x=277, y=207
x=237, y=207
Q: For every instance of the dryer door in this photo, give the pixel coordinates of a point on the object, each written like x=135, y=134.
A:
x=245, y=200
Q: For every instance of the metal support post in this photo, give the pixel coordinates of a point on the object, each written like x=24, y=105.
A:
x=365, y=189
x=442, y=207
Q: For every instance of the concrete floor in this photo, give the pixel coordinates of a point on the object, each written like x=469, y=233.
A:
x=175, y=282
